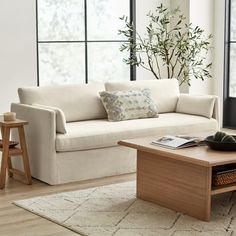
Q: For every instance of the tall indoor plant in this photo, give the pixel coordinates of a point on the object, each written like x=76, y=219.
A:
x=169, y=43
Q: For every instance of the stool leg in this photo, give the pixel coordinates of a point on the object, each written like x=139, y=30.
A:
x=9, y=167
x=9, y=158
x=5, y=155
x=24, y=154
x=2, y=131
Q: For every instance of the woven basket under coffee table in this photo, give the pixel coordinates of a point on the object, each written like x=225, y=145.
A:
x=225, y=176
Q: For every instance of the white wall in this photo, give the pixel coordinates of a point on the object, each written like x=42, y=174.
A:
x=17, y=49
x=218, y=56
x=142, y=9
x=198, y=13
x=184, y=8
x=183, y=5
x=201, y=13
x=209, y=15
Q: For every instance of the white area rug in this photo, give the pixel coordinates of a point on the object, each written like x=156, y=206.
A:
x=114, y=211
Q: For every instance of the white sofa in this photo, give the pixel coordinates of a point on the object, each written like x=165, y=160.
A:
x=89, y=148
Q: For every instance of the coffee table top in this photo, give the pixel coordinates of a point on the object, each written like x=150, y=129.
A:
x=201, y=155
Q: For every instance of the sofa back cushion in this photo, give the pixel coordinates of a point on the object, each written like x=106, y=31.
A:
x=165, y=92
x=78, y=102
x=196, y=105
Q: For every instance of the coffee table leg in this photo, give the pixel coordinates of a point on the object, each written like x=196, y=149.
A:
x=174, y=184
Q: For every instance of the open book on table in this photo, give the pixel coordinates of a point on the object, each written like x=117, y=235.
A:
x=177, y=142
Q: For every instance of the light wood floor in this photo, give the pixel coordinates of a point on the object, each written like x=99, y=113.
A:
x=15, y=221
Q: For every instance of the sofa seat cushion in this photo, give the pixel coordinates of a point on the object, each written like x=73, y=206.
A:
x=93, y=134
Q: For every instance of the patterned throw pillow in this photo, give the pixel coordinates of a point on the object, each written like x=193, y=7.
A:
x=128, y=105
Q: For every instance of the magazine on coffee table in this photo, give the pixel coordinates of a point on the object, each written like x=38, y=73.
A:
x=177, y=142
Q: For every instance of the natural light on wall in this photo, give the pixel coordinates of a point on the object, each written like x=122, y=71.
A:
x=78, y=41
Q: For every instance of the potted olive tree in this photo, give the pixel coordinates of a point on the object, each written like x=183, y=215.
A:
x=169, y=43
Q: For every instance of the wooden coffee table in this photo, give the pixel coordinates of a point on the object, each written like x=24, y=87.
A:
x=179, y=179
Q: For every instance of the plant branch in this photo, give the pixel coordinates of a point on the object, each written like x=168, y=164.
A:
x=158, y=66
x=178, y=49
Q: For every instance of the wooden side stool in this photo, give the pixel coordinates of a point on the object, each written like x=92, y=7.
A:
x=7, y=151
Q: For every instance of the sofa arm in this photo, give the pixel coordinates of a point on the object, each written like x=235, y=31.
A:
x=60, y=117
x=216, y=110
x=40, y=136
x=203, y=105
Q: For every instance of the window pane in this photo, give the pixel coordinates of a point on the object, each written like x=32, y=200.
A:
x=61, y=63
x=103, y=18
x=61, y=20
x=233, y=20
x=105, y=63
x=232, y=88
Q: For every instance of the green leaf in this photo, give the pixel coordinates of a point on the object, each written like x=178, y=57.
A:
x=181, y=46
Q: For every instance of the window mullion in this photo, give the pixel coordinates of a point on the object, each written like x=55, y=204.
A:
x=86, y=40
x=133, y=21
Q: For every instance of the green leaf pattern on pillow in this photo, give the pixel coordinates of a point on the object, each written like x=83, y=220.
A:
x=128, y=105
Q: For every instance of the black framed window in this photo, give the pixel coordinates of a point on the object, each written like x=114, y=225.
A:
x=229, y=116
x=78, y=41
